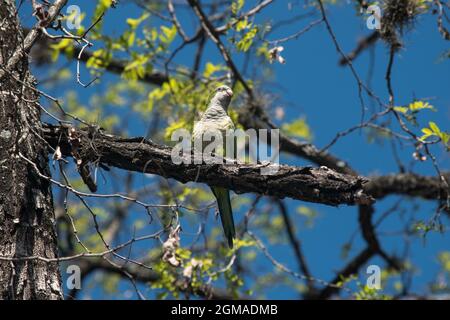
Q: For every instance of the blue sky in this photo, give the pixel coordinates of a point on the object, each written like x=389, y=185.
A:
x=313, y=85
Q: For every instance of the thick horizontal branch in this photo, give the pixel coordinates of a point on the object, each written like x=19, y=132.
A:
x=409, y=184
x=319, y=185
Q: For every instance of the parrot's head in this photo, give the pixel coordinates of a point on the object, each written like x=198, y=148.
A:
x=223, y=95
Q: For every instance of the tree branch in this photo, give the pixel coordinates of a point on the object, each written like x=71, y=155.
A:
x=213, y=35
x=32, y=36
x=42, y=54
x=409, y=184
x=319, y=185
x=363, y=44
x=146, y=276
x=351, y=268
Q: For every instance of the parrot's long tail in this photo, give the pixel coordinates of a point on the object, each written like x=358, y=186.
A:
x=226, y=214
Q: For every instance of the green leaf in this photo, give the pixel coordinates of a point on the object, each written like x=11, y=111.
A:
x=401, y=109
x=210, y=69
x=434, y=127
x=414, y=107
x=236, y=6
x=427, y=131
x=434, y=130
x=242, y=24
x=134, y=23
x=445, y=138
x=420, y=105
x=242, y=243
x=136, y=68
x=106, y=3
x=180, y=124
x=168, y=34
x=131, y=38
x=64, y=44
x=247, y=40
x=298, y=128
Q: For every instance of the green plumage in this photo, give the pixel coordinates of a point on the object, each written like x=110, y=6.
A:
x=226, y=214
x=214, y=119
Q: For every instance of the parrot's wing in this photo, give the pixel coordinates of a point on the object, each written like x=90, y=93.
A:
x=228, y=125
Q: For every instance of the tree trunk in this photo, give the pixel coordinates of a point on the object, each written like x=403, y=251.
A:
x=27, y=223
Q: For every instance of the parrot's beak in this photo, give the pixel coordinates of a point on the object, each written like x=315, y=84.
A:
x=229, y=92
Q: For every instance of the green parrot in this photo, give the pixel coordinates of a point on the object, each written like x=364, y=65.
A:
x=216, y=118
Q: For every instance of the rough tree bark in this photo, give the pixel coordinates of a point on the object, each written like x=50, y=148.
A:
x=27, y=224
x=319, y=185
